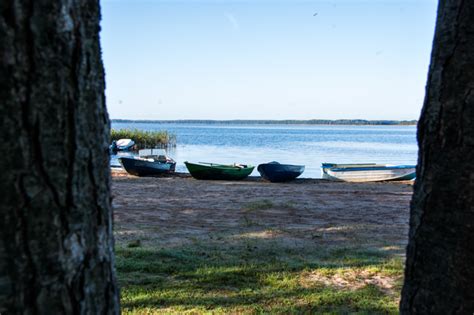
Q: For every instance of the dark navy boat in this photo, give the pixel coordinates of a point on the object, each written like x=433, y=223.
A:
x=276, y=172
x=148, y=163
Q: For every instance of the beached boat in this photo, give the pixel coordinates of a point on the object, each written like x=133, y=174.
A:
x=149, y=162
x=276, y=172
x=122, y=145
x=203, y=170
x=368, y=172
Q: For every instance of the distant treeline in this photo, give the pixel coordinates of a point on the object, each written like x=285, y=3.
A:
x=361, y=122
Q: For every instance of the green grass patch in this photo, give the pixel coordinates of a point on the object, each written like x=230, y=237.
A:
x=257, y=277
x=265, y=204
x=259, y=205
x=145, y=139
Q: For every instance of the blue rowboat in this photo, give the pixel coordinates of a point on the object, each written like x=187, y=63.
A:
x=276, y=172
x=368, y=172
x=148, y=163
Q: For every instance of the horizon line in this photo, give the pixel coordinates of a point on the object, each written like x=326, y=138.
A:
x=274, y=121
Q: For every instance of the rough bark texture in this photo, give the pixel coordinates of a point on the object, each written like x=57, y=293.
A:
x=56, y=245
x=439, y=276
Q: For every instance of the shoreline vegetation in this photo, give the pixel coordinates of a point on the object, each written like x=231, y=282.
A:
x=357, y=122
x=145, y=139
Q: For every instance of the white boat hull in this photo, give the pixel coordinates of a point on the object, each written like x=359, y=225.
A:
x=124, y=144
x=366, y=173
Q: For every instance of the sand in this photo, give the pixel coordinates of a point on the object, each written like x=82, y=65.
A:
x=179, y=210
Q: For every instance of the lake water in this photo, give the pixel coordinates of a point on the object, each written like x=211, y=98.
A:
x=291, y=144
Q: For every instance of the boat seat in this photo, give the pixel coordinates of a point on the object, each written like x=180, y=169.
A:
x=161, y=158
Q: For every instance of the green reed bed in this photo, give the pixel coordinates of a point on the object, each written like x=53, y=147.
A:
x=145, y=139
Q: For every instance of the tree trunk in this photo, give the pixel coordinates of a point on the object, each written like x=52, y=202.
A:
x=56, y=243
x=439, y=276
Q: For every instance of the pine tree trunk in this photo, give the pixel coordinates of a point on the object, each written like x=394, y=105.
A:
x=439, y=276
x=56, y=243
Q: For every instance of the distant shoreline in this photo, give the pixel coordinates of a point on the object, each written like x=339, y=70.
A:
x=356, y=122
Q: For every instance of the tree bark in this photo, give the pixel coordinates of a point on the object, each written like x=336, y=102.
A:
x=439, y=275
x=56, y=243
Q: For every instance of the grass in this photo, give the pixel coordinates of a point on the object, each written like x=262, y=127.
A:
x=265, y=204
x=255, y=276
x=145, y=139
x=259, y=205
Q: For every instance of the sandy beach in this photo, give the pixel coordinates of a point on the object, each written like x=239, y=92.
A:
x=178, y=210
x=233, y=247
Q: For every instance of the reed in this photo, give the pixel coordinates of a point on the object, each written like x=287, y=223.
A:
x=145, y=139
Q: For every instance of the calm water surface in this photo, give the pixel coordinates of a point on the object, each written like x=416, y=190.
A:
x=305, y=145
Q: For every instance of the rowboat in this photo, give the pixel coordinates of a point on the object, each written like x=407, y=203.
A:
x=368, y=172
x=149, y=162
x=276, y=172
x=203, y=170
x=121, y=145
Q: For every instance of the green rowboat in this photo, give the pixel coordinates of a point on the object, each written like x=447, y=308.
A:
x=218, y=171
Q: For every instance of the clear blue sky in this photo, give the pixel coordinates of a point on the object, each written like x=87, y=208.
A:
x=265, y=59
